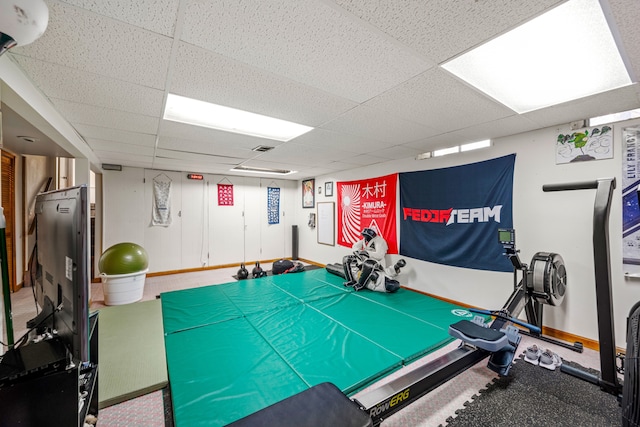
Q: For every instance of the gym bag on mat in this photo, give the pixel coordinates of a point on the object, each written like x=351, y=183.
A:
x=283, y=266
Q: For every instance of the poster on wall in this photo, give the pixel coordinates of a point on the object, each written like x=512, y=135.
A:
x=273, y=205
x=308, y=195
x=161, y=209
x=451, y=216
x=368, y=203
x=225, y=194
x=588, y=144
x=630, y=209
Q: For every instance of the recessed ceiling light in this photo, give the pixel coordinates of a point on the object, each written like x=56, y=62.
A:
x=565, y=54
x=200, y=113
x=30, y=139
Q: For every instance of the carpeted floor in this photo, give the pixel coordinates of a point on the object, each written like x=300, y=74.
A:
x=535, y=396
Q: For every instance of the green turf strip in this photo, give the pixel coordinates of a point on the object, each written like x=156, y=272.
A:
x=131, y=356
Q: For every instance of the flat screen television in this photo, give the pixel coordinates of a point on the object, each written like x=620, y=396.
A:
x=62, y=272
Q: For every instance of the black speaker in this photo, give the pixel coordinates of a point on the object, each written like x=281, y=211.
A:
x=294, y=242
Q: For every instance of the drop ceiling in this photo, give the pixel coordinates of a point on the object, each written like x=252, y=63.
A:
x=365, y=74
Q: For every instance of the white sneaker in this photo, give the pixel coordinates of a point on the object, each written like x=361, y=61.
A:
x=550, y=360
x=532, y=354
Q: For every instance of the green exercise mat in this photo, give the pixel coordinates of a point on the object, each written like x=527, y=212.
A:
x=235, y=348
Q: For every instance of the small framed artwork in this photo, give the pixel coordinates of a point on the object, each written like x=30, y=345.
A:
x=328, y=188
x=308, y=193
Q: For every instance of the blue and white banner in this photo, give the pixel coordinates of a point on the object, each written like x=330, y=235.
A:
x=273, y=205
x=451, y=216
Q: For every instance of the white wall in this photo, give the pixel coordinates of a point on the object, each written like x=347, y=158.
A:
x=201, y=234
x=212, y=235
x=559, y=222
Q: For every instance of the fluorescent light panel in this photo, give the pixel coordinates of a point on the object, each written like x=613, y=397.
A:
x=562, y=55
x=445, y=151
x=201, y=113
x=616, y=117
x=475, y=145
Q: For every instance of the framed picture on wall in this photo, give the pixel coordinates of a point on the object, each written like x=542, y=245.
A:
x=328, y=188
x=308, y=193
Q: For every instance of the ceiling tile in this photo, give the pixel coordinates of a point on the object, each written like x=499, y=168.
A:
x=397, y=152
x=627, y=16
x=378, y=124
x=158, y=16
x=440, y=101
x=329, y=140
x=207, y=76
x=213, y=136
x=196, y=157
x=205, y=148
x=81, y=39
x=440, y=29
x=98, y=116
x=123, y=158
x=305, y=41
x=71, y=84
x=118, y=147
x=116, y=135
x=617, y=100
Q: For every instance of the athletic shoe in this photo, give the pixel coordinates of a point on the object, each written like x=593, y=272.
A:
x=550, y=360
x=532, y=354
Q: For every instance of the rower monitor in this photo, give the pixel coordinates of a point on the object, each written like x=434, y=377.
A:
x=507, y=237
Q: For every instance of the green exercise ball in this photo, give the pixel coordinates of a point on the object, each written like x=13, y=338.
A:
x=123, y=258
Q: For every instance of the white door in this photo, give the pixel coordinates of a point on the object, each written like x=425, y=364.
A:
x=195, y=220
x=163, y=242
x=272, y=235
x=226, y=222
x=255, y=214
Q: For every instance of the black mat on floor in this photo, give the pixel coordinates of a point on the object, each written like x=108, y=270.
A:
x=168, y=407
x=269, y=273
x=535, y=396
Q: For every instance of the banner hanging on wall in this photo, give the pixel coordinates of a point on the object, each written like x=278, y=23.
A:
x=368, y=203
x=273, y=205
x=630, y=209
x=451, y=216
x=161, y=209
x=225, y=194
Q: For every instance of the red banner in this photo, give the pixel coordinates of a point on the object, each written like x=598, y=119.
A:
x=368, y=203
x=225, y=195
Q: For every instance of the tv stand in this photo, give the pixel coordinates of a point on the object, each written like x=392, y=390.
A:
x=39, y=388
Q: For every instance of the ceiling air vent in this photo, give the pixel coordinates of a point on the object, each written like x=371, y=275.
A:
x=262, y=148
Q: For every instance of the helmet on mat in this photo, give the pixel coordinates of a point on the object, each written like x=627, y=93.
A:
x=369, y=233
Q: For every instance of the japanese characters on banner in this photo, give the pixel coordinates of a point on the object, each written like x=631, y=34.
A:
x=368, y=203
x=273, y=205
x=451, y=216
x=630, y=210
x=225, y=194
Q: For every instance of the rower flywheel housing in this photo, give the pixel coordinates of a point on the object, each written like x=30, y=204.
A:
x=549, y=278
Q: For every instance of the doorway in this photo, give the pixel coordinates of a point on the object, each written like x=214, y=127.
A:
x=8, y=203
